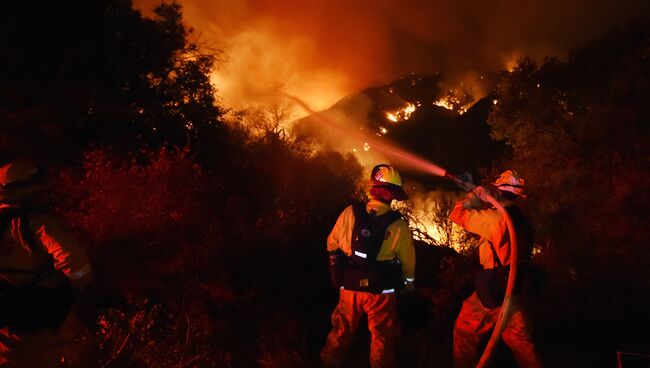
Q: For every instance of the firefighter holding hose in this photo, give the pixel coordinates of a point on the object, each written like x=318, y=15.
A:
x=42, y=268
x=480, y=311
x=371, y=259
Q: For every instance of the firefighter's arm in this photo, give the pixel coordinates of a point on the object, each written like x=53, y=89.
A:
x=340, y=236
x=69, y=256
x=483, y=222
x=406, y=253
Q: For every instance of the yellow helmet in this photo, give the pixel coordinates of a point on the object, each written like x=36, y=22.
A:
x=510, y=181
x=18, y=180
x=385, y=176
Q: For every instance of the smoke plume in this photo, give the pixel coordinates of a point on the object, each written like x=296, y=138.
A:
x=324, y=50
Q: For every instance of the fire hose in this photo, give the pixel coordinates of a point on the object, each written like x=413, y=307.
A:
x=506, y=306
x=413, y=161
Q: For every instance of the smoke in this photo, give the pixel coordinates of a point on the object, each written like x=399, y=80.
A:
x=321, y=51
x=324, y=50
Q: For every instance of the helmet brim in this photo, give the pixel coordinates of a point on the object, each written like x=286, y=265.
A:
x=396, y=191
x=514, y=189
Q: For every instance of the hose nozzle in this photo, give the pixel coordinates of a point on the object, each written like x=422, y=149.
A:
x=463, y=180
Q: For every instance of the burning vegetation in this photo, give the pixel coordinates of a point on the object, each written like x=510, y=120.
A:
x=403, y=113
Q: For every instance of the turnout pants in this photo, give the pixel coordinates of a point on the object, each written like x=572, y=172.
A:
x=68, y=345
x=381, y=310
x=475, y=324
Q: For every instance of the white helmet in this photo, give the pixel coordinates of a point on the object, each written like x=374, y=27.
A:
x=510, y=181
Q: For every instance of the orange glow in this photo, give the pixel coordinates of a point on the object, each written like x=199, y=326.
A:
x=259, y=66
x=401, y=114
x=511, y=60
x=444, y=103
x=431, y=217
x=395, y=154
x=453, y=103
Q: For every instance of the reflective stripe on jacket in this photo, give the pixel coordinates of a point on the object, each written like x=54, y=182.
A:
x=398, y=242
x=19, y=263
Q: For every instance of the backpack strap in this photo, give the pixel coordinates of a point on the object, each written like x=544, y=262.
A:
x=369, y=231
x=495, y=256
x=525, y=233
x=363, y=272
x=525, y=236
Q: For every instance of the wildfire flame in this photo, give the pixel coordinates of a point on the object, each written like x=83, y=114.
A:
x=453, y=103
x=401, y=114
x=430, y=219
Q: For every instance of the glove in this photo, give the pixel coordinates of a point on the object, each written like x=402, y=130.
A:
x=481, y=193
x=409, y=286
x=466, y=181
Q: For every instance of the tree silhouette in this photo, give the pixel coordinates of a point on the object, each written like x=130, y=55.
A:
x=579, y=133
x=82, y=72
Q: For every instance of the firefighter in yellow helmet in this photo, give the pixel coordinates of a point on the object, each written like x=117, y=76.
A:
x=479, y=312
x=371, y=259
x=41, y=268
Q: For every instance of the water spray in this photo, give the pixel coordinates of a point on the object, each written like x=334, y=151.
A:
x=405, y=158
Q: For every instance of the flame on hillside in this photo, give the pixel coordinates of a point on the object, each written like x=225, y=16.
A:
x=457, y=102
x=450, y=105
x=402, y=114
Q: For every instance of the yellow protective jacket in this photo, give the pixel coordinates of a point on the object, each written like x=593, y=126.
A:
x=489, y=224
x=397, y=244
x=20, y=262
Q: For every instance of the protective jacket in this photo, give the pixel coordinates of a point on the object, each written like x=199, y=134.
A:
x=39, y=261
x=476, y=320
x=354, y=305
x=32, y=242
x=397, y=243
x=488, y=224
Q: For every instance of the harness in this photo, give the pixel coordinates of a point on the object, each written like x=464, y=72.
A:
x=30, y=306
x=363, y=272
x=490, y=284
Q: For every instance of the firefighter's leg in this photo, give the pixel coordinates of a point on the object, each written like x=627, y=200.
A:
x=345, y=320
x=383, y=326
x=473, y=324
x=68, y=345
x=31, y=350
x=517, y=335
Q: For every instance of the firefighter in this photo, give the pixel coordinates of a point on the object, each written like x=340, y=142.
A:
x=42, y=267
x=479, y=312
x=371, y=259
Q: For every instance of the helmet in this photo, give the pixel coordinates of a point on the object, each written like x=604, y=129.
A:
x=510, y=181
x=18, y=180
x=386, y=177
